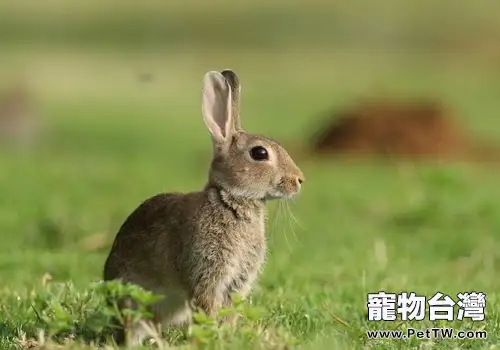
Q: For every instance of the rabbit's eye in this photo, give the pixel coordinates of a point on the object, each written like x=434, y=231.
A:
x=259, y=153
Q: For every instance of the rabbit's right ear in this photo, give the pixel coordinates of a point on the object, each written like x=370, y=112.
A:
x=217, y=108
x=235, y=85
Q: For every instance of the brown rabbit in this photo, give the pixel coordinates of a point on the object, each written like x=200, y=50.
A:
x=197, y=249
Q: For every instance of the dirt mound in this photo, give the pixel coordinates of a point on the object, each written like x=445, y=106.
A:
x=19, y=120
x=419, y=130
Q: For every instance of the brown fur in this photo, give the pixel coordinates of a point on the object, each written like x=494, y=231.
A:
x=197, y=249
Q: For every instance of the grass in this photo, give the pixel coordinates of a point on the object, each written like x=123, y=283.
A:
x=364, y=226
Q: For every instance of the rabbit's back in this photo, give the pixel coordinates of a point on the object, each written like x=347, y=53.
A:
x=149, y=241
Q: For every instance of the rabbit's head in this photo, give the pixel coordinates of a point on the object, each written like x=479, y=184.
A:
x=243, y=164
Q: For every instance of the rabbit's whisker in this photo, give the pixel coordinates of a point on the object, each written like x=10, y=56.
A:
x=274, y=218
x=281, y=207
x=289, y=210
x=294, y=218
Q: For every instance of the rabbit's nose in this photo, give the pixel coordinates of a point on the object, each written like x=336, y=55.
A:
x=299, y=180
x=300, y=177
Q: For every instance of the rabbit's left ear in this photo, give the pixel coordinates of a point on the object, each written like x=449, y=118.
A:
x=217, y=107
x=235, y=85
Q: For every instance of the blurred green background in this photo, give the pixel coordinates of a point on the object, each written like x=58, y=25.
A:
x=118, y=88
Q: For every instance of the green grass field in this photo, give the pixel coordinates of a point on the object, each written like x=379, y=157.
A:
x=357, y=227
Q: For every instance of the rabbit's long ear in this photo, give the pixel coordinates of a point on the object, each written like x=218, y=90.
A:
x=235, y=85
x=217, y=108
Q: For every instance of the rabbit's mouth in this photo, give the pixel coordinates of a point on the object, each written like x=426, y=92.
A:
x=274, y=195
x=279, y=193
x=275, y=192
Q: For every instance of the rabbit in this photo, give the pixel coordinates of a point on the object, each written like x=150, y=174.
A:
x=199, y=248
